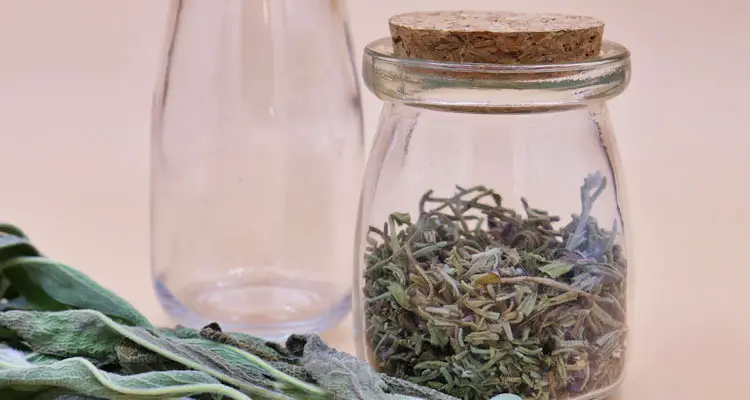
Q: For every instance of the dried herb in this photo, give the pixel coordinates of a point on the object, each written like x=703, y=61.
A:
x=474, y=299
x=64, y=337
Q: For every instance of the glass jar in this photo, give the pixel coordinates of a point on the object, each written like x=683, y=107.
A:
x=491, y=249
x=257, y=156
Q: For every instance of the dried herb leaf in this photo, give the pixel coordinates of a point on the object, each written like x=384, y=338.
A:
x=499, y=302
x=556, y=269
x=399, y=294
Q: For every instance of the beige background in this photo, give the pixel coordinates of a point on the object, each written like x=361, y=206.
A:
x=75, y=85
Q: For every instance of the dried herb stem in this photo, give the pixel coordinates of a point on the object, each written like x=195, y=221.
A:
x=555, y=284
x=474, y=299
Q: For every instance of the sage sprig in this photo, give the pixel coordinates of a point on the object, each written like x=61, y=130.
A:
x=65, y=337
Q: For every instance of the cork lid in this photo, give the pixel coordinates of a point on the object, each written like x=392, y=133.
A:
x=496, y=37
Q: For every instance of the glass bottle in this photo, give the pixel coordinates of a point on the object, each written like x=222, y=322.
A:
x=257, y=155
x=490, y=244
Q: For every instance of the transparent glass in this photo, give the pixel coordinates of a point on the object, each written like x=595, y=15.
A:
x=490, y=250
x=257, y=157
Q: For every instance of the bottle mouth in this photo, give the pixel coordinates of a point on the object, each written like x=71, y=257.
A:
x=495, y=88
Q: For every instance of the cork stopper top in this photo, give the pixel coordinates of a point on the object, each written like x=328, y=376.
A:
x=496, y=37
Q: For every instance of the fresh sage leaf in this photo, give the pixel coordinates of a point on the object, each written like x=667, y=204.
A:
x=12, y=230
x=82, y=377
x=50, y=285
x=14, y=246
x=54, y=333
x=62, y=394
x=346, y=377
x=64, y=337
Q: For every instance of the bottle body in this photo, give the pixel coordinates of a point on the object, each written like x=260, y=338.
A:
x=257, y=148
x=491, y=247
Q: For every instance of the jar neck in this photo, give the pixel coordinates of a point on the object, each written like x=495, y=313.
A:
x=492, y=88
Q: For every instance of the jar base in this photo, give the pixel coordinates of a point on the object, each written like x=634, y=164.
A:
x=610, y=392
x=272, y=310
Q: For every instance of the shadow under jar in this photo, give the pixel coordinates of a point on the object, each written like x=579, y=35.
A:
x=491, y=249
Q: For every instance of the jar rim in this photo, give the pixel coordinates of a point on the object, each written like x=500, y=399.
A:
x=611, y=52
x=495, y=88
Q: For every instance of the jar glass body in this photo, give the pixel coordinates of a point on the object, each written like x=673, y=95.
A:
x=257, y=154
x=491, y=256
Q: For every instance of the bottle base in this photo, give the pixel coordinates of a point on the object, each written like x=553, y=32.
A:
x=269, y=309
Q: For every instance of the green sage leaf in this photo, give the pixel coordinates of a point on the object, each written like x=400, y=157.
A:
x=346, y=377
x=82, y=377
x=71, y=334
x=12, y=230
x=49, y=285
x=64, y=337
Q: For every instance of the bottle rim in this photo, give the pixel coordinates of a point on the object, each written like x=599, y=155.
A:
x=495, y=88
